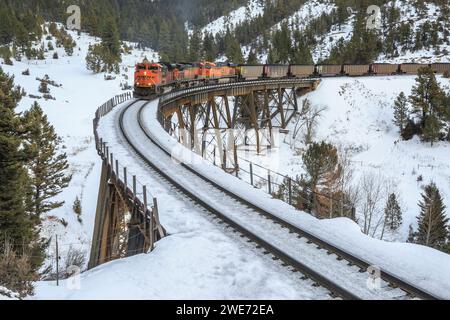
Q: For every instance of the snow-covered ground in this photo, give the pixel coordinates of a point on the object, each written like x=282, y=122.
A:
x=358, y=115
x=420, y=265
x=71, y=114
x=198, y=255
x=253, y=9
x=200, y=259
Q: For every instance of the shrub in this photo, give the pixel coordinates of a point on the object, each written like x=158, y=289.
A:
x=77, y=208
x=16, y=272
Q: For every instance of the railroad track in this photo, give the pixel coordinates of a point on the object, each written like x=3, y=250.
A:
x=344, y=275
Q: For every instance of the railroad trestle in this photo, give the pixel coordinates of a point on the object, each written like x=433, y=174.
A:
x=215, y=121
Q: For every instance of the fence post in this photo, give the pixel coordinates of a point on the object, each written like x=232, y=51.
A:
x=251, y=173
x=144, y=192
x=134, y=186
x=117, y=170
x=111, y=158
x=269, y=181
x=125, y=180
x=57, y=262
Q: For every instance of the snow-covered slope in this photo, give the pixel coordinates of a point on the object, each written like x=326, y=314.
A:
x=253, y=9
x=71, y=114
x=358, y=116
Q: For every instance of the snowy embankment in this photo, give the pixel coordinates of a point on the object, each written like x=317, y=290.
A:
x=199, y=260
x=422, y=266
x=358, y=116
x=71, y=113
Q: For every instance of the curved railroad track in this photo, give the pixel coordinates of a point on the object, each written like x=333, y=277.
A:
x=343, y=274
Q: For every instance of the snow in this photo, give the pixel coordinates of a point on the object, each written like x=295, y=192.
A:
x=253, y=9
x=71, y=114
x=425, y=267
x=6, y=294
x=358, y=115
x=200, y=259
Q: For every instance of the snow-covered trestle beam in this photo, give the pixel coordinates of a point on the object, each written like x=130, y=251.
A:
x=214, y=120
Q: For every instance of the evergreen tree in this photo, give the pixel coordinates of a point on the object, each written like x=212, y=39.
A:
x=401, y=112
x=393, y=213
x=165, y=42
x=426, y=96
x=17, y=224
x=94, y=58
x=48, y=166
x=233, y=50
x=432, y=221
x=432, y=129
x=106, y=56
x=195, y=45
x=209, y=48
x=252, y=57
x=320, y=160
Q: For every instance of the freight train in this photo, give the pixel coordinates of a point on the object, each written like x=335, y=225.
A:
x=152, y=78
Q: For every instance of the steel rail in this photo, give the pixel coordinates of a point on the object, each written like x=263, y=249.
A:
x=361, y=263
x=334, y=288
x=393, y=280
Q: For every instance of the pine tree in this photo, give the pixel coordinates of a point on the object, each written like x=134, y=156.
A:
x=233, y=51
x=432, y=230
x=47, y=166
x=393, y=213
x=401, y=112
x=43, y=87
x=426, y=96
x=319, y=161
x=17, y=224
x=209, y=48
x=195, y=45
x=432, y=129
x=411, y=235
x=165, y=42
x=252, y=57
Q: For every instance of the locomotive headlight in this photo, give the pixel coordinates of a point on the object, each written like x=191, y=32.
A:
x=145, y=73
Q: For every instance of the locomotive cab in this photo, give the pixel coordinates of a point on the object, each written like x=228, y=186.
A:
x=204, y=70
x=148, y=77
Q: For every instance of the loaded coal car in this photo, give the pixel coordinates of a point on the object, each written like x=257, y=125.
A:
x=411, y=68
x=356, y=69
x=250, y=72
x=276, y=71
x=384, y=69
x=441, y=68
x=301, y=71
x=328, y=70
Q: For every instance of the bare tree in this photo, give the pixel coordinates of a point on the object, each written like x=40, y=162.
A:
x=372, y=199
x=307, y=121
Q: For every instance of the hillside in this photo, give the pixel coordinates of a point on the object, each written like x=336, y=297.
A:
x=71, y=113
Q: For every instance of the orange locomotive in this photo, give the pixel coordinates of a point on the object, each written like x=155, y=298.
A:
x=150, y=78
